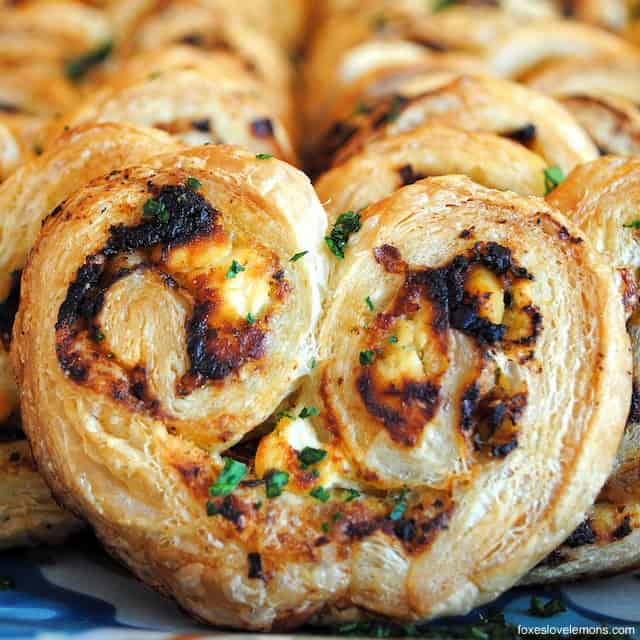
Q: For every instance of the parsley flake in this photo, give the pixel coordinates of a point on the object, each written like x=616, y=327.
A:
x=296, y=256
x=325, y=527
x=370, y=303
x=310, y=455
x=346, y=224
x=553, y=176
x=275, y=483
x=308, y=412
x=77, y=68
x=393, y=339
x=251, y=318
x=320, y=493
x=546, y=610
x=235, y=269
x=229, y=479
x=352, y=494
x=367, y=357
x=401, y=505
x=155, y=209
x=264, y=156
x=634, y=224
x=441, y=5
x=212, y=509
x=193, y=183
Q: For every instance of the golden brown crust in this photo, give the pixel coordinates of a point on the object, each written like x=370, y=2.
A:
x=603, y=197
x=261, y=561
x=28, y=513
x=473, y=103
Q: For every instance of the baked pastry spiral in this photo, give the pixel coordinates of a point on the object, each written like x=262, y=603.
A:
x=603, y=198
x=473, y=103
x=194, y=106
x=602, y=94
x=142, y=363
x=430, y=150
x=28, y=514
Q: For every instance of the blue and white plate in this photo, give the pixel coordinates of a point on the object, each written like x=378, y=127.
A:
x=78, y=592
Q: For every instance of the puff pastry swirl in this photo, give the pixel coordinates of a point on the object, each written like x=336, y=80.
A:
x=603, y=198
x=134, y=383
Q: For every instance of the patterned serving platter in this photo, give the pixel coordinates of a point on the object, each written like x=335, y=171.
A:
x=77, y=591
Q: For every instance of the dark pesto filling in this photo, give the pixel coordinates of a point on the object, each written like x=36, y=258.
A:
x=583, y=534
x=179, y=215
x=524, y=135
x=408, y=176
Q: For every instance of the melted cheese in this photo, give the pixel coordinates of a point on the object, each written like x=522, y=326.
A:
x=486, y=286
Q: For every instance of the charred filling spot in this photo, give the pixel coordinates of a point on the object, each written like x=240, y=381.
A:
x=554, y=559
x=389, y=110
x=8, y=107
x=583, y=534
x=11, y=428
x=564, y=234
x=414, y=531
x=524, y=135
x=214, y=352
x=255, y=566
x=623, y=529
x=404, y=407
x=408, y=176
x=338, y=136
x=193, y=39
x=262, y=128
x=233, y=510
x=8, y=310
x=492, y=419
x=203, y=124
x=634, y=409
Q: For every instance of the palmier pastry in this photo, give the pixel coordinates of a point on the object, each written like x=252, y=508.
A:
x=467, y=102
x=430, y=150
x=603, y=197
x=192, y=105
x=156, y=24
x=603, y=95
x=518, y=52
x=26, y=198
x=152, y=343
x=28, y=514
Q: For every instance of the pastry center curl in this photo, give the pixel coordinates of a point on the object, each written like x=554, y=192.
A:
x=455, y=333
x=231, y=285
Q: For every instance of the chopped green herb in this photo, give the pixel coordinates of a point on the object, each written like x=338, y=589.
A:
x=296, y=256
x=310, y=455
x=235, y=269
x=396, y=108
x=308, y=411
x=229, y=479
x=477, y=632
x=264, y=156
x=370, y=303
x=401, y=505
x=546, y=610
x=258, y=505
x=320, y=493
x=7, y=583
x=362, y=108
x=393, y=339
x=212, y=509
x=634, y=224
x=337, y=516
x=367, y=357
x=98, y=335
x=313, y=364
x=251, y=318
x=155, y=209
x=284, y=414
x=346, y=224
x=193, y=183
x=77, y=68
x=553, y=176
x=315, y=473
x=440, y=5
x=379, y=22
x=276, y=481
x=352, y=494
x=325, y=527
x=154, y=75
